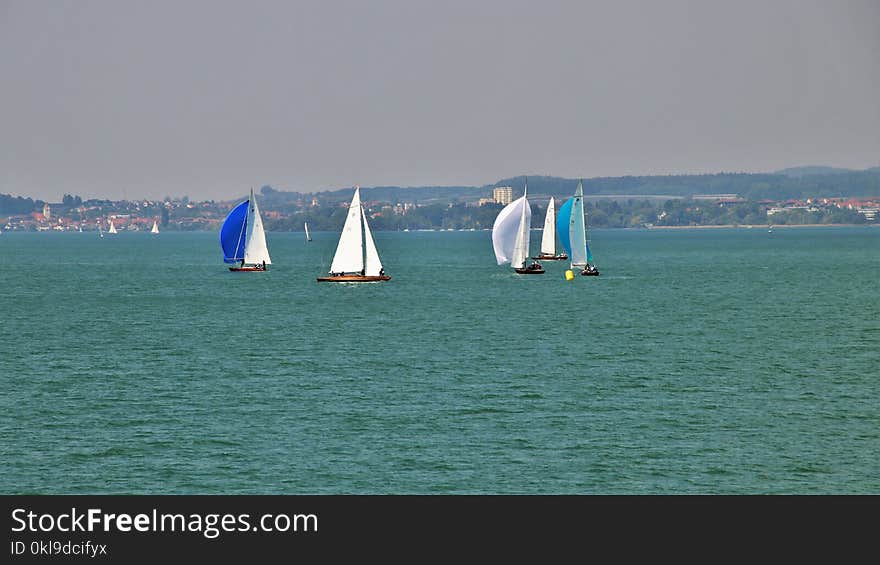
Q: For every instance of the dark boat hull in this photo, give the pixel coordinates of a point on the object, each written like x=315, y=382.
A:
x=354, y=278
x=530, y=271
x=248, y=269
x=586, y=273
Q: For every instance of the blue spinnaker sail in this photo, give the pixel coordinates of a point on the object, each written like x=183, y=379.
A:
x=563, y=224
x=232, y=233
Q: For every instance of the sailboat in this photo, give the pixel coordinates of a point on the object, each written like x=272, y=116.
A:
x=572, y=231
x=112, y=228
x=100, y=230
x=155, y=228
x=243, y=238
x=510, y=236
x=356, y=258
x=306, y=226
x=548, y=239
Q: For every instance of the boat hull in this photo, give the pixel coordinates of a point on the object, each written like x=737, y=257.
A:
x=562, y=257
x=530, y=270
x=248, y=269
x=354, y=278
x=588, y=273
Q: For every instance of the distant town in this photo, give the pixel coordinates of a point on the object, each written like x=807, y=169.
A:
x=621, y=202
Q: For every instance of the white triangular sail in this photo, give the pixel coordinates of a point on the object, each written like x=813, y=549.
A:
x=306, y=226
x=521, y=246
x=506, y=229
x=349, y=256
x=548, y=239
x=577, y=229
x=155, y=228
x=112, y=228
x=255, y=249
x=373, y=265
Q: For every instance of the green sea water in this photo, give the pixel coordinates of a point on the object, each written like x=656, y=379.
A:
x=700, y=361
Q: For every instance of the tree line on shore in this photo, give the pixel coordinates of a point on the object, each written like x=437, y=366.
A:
x=629, y=202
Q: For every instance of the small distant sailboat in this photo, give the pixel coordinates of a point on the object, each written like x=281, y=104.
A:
x=356, y=258
x=770, y=228
x=510, y=236
x=155, y=228
x=306, y=226
x=548, y=238
x=112, y=228
x=100, y=230
x=243, y=238
x=572, y=230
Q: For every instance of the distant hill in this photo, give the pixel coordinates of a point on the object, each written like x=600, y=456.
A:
x=797, y=182
x=751, y=186
x=798, y=172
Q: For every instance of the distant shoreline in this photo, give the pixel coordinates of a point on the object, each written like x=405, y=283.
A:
x=754, y=226
x=536, y=228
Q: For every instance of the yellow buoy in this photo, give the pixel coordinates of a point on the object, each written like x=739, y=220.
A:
x=569, y=275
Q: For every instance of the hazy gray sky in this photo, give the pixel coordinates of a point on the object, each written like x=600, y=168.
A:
x=207, y=98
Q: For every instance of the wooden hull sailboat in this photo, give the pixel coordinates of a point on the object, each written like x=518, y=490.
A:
x=354, y=278
x=572, y=230
x=356, y=259
x=243, y=238
x=510, y=236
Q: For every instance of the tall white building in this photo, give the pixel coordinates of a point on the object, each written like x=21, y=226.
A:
x=503, y=194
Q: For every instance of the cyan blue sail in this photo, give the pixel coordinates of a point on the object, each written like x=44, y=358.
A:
x=563, y=225
x=232, y=233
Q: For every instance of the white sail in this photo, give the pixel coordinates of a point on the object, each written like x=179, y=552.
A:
x=155, y=228
x=112, y=228
x=548, y=239
x=349, y=257
x=255, y=249
x=577, y=229
x=521, y=246
x=506, y=228
x=306, y=226
x=373, y=265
